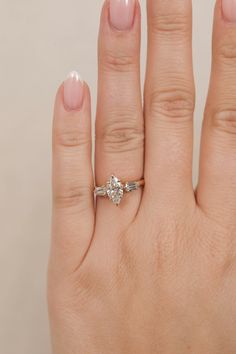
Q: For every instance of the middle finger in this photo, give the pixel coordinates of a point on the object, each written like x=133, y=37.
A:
x=169, y=101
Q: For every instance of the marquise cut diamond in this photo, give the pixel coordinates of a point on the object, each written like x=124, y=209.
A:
x=115, y=190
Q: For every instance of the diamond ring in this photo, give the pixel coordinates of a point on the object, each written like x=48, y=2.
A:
x=114, y=189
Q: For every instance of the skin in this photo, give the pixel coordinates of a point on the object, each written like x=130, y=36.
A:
x=158, y=273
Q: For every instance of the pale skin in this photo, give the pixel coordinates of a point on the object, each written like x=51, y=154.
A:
x=158, y=273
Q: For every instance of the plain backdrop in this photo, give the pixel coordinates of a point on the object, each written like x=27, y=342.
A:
x=40, y=42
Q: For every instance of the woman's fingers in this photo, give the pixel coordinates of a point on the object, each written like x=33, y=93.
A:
x=169, y=100
x=217, y=185
x=73, y=212
x=119, y=124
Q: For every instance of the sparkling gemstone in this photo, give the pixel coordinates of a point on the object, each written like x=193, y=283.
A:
x=100, y=191
x=131, y=186
x=115, y=190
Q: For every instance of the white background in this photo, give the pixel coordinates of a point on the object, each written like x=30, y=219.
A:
x=40, y=42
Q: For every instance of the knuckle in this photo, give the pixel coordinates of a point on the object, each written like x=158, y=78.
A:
x=71, y=138
x=225, y=121
x=121, y=135
x=73, y=196
x=119, y=62
x=173, y=104
x=176, y=24
x=227, y=53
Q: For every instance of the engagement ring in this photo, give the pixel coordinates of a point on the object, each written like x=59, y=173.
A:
x=114, y=189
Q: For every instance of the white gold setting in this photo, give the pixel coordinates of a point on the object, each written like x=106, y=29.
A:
x=114, y=189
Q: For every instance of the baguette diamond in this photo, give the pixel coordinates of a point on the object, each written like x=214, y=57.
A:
x=131, y=186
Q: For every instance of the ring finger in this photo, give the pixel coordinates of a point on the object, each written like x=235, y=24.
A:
x=169, y=103
x=119, y=124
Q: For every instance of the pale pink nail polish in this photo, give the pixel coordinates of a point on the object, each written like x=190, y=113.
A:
x=73, y=91
x=229, y=10
x=122, y=14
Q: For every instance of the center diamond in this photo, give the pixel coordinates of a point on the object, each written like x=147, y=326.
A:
x=115, y=190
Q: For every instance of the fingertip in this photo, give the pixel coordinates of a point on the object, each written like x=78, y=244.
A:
x=120, y=16
x=225, y=12
x=73, y=95
x=73, y=92
x=218, y=10
x=72, y=112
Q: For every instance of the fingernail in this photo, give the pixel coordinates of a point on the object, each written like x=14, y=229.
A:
x=122, y=14
x=73, y=91
x=229, y=10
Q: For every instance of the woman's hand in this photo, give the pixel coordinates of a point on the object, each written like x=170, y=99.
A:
x=158, y=273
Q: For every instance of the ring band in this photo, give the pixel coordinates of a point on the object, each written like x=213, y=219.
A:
x=114, y=189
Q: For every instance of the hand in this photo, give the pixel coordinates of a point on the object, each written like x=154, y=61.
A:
x=158, y=273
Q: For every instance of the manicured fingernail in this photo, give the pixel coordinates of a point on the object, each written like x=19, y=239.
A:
x=73, y=91
x=122, y=14
x=229, y=10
